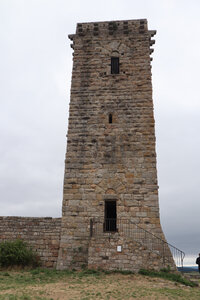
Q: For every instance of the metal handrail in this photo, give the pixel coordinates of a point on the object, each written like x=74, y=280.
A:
x=178, y=255
x=99, y=226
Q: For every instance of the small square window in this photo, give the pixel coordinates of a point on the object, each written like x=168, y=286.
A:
x=114, y=65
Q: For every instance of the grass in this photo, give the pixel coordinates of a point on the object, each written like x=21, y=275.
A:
x=166, y=274
x=44, y=284
x=40, y=276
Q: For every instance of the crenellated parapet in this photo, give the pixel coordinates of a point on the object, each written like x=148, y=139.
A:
x=131, y=29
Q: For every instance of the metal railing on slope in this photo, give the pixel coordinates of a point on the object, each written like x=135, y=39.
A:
x=127, y=228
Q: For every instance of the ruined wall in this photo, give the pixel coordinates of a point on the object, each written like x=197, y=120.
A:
x=43, y=234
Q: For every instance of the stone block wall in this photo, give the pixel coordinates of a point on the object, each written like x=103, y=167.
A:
x=43, y=234
x=109, y=161
x=133, y=256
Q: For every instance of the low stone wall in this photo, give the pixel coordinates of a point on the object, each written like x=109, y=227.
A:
x=43, y=234
x=104, y=253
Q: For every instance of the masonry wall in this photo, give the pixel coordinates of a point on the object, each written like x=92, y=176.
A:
x=109, y=161
x=43, y=234
x=133, y=256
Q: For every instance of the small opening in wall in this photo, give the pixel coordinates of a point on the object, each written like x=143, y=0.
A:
x=110, y=222
x=110, y=119
x=114, y=65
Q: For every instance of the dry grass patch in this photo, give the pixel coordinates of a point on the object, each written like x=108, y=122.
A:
x=57, y=285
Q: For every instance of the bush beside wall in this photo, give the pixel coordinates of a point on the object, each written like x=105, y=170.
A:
x=42, y=234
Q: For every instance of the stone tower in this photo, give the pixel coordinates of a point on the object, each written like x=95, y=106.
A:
x=110, y=202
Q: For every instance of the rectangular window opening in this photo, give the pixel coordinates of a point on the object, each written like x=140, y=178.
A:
x=110, y=222
x=114, y=65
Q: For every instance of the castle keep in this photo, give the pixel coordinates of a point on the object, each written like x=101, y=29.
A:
x=110, y=212
x=110, y=183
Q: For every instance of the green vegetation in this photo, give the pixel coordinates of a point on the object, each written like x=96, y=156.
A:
x=124, y=272
x=167, y=274
x=17, y=253
x=46, y=284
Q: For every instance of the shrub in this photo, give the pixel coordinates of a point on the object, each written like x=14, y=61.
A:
x=17, y=253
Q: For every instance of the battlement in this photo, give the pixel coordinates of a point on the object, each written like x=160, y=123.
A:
x=114, y=29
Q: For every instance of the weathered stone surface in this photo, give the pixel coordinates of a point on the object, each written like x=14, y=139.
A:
x=109, y=160
x=42, y=234
x=133, y=256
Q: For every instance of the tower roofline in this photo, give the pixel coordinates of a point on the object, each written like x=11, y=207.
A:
x=114, y=29
x=126, y=27
x=120, y=21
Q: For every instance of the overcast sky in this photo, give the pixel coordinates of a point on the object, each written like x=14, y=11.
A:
x=35, y=78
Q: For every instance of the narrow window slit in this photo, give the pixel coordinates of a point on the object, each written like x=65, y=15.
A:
x=110, y=118
x=114, y=65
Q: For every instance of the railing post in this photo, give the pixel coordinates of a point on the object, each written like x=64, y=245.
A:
x=91, y=227
x=182, y=256
x=163, y=254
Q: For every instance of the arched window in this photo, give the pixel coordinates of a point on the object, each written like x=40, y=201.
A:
x=110, y=118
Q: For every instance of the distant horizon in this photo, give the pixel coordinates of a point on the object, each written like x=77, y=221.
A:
x=190, y=261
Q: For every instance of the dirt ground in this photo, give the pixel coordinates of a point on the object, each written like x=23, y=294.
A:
x=112, y=286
